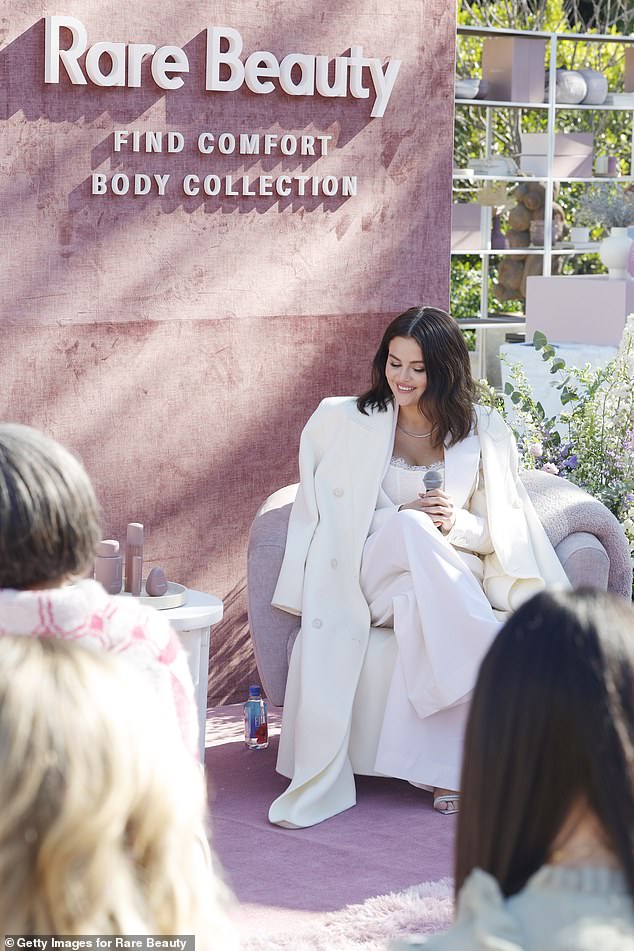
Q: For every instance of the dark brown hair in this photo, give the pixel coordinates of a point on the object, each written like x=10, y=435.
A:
x=451, y=392
x=551, y=723
x=49, y=517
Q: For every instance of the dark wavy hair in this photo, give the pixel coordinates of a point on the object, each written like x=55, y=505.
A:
x=451, y=391
x=49, y=515
x=551, y=723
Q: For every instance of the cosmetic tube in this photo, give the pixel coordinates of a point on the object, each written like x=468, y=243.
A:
x=133, y=549
x=108, y=565
x=137, y=576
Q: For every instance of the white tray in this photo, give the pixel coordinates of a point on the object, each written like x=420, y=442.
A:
x=174, y=597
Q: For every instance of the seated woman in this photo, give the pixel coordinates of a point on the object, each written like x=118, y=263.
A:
x=49, y=531
x=409, y=515
x=545, y=853
x=103, y=810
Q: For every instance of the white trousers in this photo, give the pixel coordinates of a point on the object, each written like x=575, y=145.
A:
x=417, y=583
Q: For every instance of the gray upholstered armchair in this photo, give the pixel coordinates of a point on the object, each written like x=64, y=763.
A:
x=586, y=536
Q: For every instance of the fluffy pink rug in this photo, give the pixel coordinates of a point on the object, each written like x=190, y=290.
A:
x=419, y=910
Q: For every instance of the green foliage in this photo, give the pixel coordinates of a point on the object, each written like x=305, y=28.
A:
x=489, y=396
x=591, y=441
x=465, y=286
x=607, y=204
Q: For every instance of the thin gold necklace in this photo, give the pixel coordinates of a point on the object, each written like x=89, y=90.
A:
x=415, y=435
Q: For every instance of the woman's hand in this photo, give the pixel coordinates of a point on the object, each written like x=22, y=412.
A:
x=438, y=505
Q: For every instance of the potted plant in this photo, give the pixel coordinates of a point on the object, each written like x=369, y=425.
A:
x=585, y=219
x=612, y=206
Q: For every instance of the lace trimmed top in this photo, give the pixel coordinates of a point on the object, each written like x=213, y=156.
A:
x=399, y=463
x=403, y=481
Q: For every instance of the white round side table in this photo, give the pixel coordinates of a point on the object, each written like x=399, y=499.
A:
x=192, y=623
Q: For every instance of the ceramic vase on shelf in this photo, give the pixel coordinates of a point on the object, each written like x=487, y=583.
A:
x=614, y=252
x=499, y=241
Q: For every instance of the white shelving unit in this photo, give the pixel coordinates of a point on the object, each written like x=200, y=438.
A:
x=590, y=248
x=550, y=179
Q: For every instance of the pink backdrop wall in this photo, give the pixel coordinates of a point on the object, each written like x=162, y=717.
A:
x=179, y=344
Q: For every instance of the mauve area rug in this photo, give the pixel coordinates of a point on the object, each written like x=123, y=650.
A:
x=353, y=882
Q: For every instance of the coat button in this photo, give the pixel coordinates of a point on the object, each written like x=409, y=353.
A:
x=338, y=493
x=333, y=563
x=317, y=622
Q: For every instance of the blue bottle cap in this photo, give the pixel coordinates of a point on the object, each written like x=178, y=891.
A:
x=255, y=691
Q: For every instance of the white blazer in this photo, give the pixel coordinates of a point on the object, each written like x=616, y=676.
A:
x=342, y=460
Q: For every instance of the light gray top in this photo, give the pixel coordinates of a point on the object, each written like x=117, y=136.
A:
x=560, y=909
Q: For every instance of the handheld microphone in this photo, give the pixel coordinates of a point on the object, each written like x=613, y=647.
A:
x=433, y=480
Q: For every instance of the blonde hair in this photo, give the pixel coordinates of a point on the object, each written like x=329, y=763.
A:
x=102, y=810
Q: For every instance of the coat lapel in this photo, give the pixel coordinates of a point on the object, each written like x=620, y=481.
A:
x=461, y=468
x=370, y=440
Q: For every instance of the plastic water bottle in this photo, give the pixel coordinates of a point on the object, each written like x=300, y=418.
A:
x=256, y=730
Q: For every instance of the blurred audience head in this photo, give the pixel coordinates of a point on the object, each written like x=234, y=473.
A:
x=49, y=517
x=102, y=809
x=550, y=736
